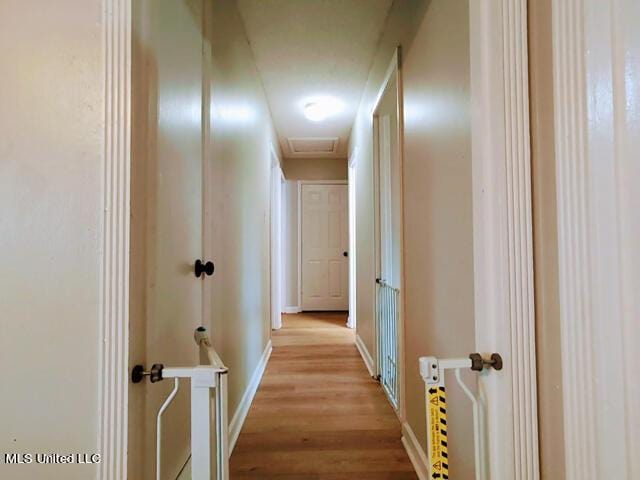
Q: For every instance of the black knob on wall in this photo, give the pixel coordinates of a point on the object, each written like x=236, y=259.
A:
x=345, y=254
x=206, y=268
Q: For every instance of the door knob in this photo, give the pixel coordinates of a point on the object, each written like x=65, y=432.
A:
x=345, y=254
x=206, y=268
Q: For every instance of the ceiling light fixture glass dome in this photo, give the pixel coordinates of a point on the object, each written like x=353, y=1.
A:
x=322, y=108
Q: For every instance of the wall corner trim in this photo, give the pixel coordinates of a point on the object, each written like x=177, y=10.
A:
x=415, y=452
x=240, y=415
x=502, y=225
x=113, y=309
x=595, y=48
x=366, y=356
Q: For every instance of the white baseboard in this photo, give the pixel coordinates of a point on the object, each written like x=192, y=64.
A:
x=366, y=356
x=415, y=452
x=241, y=412
x=351, y=322
x=291, y=310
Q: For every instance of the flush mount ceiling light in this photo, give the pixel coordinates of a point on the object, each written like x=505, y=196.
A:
x=320, y=109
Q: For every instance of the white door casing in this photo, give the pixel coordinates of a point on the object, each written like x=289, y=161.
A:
x=276, y=243
x=113, y=310
x=388, y=124
x=502, y=226
x=325, y=238
x=351, y=322
x=596, y=46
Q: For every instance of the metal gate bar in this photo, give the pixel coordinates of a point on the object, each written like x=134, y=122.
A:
x=387, y=316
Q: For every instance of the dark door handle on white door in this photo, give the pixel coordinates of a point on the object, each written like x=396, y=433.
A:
x=206, y=268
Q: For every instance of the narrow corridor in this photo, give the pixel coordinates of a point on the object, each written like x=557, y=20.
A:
x=318, y=415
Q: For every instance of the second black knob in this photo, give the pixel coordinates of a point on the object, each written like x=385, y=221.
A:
x=206, y=268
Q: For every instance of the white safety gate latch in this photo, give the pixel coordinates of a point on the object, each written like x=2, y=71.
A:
x=203, y=379
x=432, y=370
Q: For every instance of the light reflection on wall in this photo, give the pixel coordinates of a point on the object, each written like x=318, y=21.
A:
x=424, y=111
x=179, y=110
x=235, y=114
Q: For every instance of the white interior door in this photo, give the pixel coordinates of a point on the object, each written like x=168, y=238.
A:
x=325, y=243
x=168, y=140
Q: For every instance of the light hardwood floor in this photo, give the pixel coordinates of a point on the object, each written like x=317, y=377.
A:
x=318, y=415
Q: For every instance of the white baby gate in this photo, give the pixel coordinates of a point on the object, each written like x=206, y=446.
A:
x=432, y=371
x=210, y=375
x=387, y=315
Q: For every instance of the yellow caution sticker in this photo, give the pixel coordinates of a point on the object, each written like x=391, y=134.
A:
x=437, y=408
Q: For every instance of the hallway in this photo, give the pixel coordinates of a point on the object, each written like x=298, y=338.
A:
x=317, y=414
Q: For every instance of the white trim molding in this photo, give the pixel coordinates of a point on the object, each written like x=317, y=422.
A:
x=353, y=157
x=353, y=277
x=114, y=294
x=240, y=415
x=414, y=451
x=276, y=257
x=366, y=356
x=596, y=90
x=502, y=219
x=291, y=310
x=394, y=72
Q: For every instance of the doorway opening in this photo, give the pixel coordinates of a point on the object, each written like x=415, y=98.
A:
x=324, y=246
x=387, y=134
x=278, y=255
x=316, y=243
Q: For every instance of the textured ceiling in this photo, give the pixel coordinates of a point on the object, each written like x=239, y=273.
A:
x=310, y=48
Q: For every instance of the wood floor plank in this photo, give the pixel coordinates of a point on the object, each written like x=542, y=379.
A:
x=317, y=414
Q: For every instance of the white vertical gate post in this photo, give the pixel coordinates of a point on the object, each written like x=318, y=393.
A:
x=203, y=379
x=222, y=428
x=210, y=357
x=432, y=370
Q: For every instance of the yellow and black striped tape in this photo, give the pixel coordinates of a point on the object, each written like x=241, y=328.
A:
x=438, y=432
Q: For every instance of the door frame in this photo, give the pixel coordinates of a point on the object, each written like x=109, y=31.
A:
x=113, y=307
x=276, y=257
x=394, y=69
x=596, y=46
x=351, y=186
x=300, y=184
x=502, y=239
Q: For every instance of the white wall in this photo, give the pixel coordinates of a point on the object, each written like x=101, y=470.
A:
x=315, y=168
x=438, y=230
x=438, y=236
x=51, y=215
